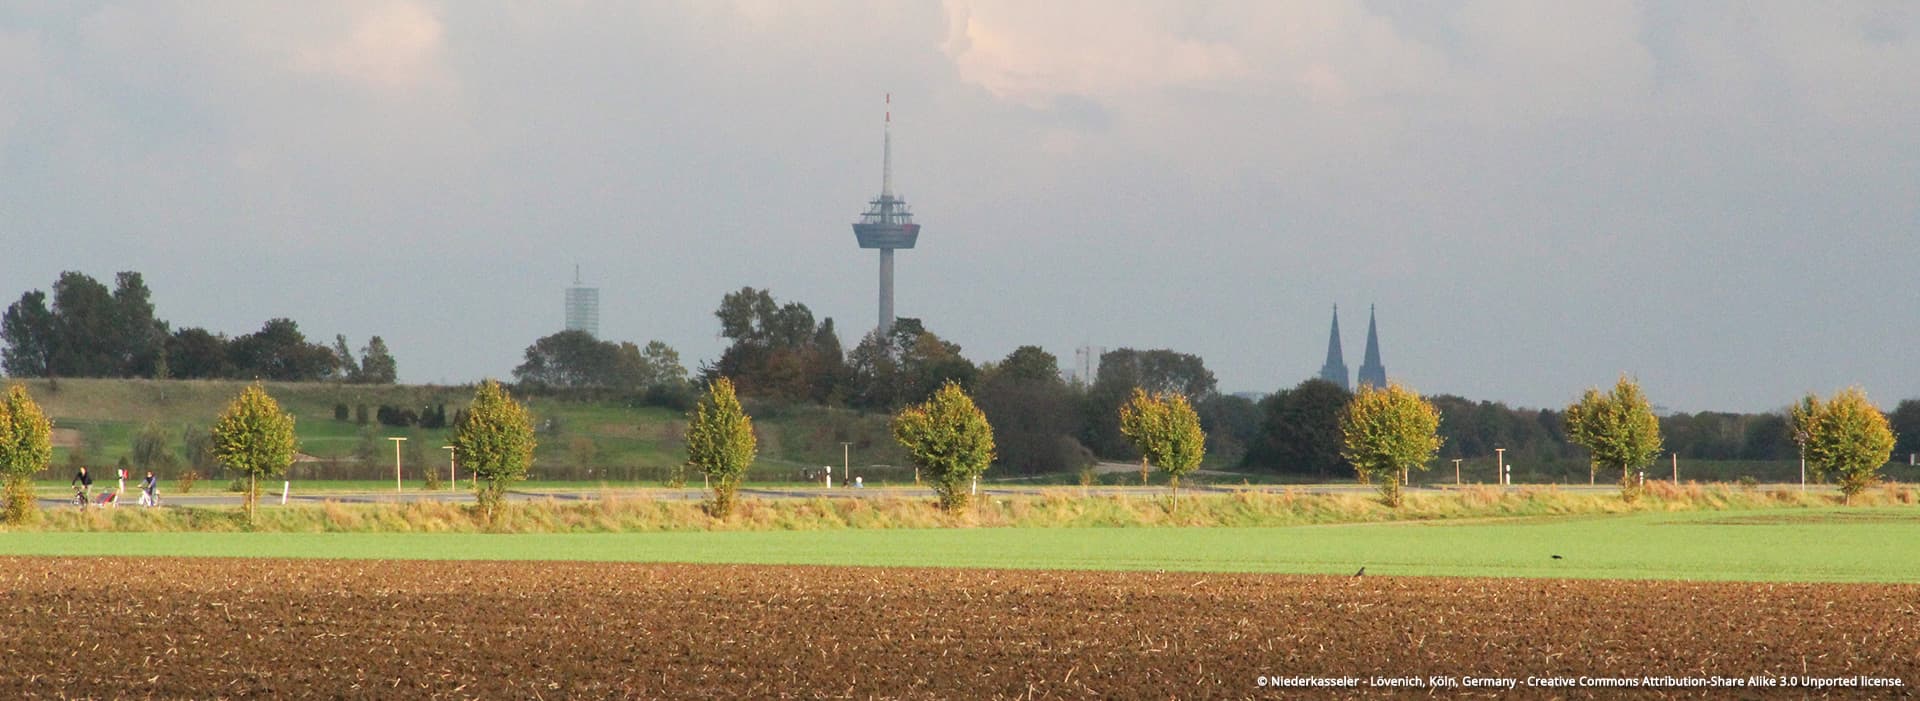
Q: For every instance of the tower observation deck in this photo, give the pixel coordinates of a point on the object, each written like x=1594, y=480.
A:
x=887, y=225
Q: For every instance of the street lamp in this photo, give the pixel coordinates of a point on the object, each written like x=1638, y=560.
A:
x=453, y=480
x=1500, y=467
x=396, y=462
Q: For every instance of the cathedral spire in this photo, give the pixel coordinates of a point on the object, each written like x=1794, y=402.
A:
x=1335, y=370
x=1372, y=372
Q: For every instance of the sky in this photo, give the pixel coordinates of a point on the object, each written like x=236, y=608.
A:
x=1721, y=199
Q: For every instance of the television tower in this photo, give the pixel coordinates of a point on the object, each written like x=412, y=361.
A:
x=887, y=225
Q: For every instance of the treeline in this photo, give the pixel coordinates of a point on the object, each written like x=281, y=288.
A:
x=85, y=330
x=1045, y=424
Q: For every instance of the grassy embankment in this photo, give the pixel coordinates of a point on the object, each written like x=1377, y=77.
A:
x=598, y=442
x=629, y=512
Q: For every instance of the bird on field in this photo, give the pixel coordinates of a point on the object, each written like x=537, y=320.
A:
x=1557, y=557
x=1361, y=573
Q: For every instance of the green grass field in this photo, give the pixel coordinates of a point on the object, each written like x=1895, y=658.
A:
x=1827, y=545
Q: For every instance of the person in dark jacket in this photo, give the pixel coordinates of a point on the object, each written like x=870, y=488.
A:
x=84, y=481
x=150, y=490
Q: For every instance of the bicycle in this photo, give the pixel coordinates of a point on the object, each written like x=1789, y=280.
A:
x=80, y=497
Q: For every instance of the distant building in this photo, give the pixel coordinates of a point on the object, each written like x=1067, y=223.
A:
x=1335, y=369
x=583, y=307
x=1372, y=373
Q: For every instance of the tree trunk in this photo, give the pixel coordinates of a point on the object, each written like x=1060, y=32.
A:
x=253, y=495
x=1143, y=472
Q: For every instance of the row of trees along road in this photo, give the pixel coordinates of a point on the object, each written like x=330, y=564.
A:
x=493, y=440
x=89, y=331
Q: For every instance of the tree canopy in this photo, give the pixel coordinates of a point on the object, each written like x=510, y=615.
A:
x=254, y=437
x=494, y=440
x=720, y=443
x=1847, y=439
x=1166, y=431
x=1388, y=432
x=26, y=447
x=1618, y=429
x=949, y=439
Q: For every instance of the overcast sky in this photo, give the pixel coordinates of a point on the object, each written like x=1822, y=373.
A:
x=1722, y=199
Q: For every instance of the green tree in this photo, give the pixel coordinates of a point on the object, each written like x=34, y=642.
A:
x=1618, y=429
x=1166, y=431
x=949, y=439
x=376, y=363
x=26, y=447
x=1905, y=422
x=349, y=367
x=1387, y=433
x=720, y=443
x=254, y=437
x=494, y=441
x=1300, y=429
x=1036, y=415
x=1847, y=439
x=1121, y=371
x=28, y=330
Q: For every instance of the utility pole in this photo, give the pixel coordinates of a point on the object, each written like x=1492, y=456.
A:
x=396, y=462
x=1456, y=472
x=1500, y=467
x=453, y=480
x=846, y=463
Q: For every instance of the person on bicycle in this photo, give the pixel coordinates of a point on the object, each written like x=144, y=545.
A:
x=83, y=483
x=150, y=490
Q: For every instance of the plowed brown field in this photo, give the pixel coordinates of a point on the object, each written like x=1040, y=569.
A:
x=374, y=629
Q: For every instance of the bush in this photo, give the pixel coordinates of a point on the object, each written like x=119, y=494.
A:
x=187, y=479
x=340, y=412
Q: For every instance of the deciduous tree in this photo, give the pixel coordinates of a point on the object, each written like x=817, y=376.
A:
x=720, y=443
x=1166, y=431
x=494, y=440
x=1847, y=439
x=254, y=437
x=949, y=439
x=1618, y=429
x=26, y=447
x=1387, y=433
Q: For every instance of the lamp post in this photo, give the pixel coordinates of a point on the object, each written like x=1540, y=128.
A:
x=453, y=479
x=1500, y=466
x=397, y=440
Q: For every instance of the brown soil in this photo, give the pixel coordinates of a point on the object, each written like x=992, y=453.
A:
x=206, y=628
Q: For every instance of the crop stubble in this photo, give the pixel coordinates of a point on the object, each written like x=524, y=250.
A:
x=232, y=627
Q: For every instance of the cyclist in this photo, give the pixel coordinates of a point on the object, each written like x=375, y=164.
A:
x=150, y=490
x=82, y=483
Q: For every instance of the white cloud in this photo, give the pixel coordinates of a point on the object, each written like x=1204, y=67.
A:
x=391, y=45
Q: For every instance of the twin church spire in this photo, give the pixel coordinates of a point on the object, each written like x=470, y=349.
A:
x=1372, y=372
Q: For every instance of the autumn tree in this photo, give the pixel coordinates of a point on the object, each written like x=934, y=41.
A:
x=254, y=437
x=949, y=439
x=494, y=440
x=1166, y=431
x=1846, y=439
x=1386, y=433
x=1618, y=429
x=26, y=447
x=720, y=443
